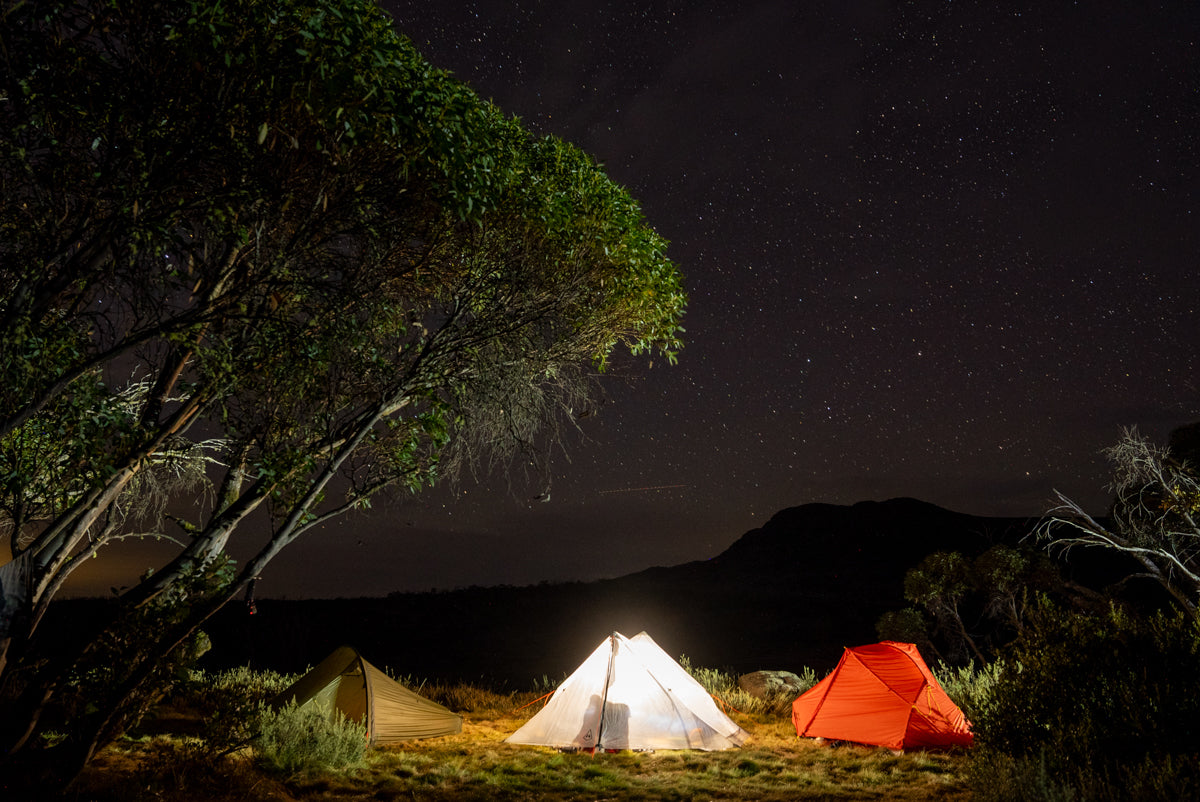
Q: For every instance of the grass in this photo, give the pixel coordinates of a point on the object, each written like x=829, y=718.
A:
x=478, y=765
x=184, y=755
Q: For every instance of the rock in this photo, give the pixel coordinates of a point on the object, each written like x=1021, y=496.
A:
x=768, y=684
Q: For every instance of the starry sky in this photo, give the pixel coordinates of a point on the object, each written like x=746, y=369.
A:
x=945, y=250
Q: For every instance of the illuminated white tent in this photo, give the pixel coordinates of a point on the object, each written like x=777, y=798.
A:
x=630, y=694
x=345, y=682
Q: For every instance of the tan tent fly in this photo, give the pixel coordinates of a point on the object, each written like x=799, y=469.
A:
x=346, y=682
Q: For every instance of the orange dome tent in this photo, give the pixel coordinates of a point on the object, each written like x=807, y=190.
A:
x=883, y=695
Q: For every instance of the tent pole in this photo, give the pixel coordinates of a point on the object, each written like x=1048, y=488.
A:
x=604, y=694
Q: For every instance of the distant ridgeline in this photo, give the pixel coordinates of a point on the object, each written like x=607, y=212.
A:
x=793, y=593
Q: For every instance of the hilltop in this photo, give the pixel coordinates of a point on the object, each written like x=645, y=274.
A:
x=786, y=595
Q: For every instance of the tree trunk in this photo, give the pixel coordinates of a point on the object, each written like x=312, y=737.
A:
x=46, y=773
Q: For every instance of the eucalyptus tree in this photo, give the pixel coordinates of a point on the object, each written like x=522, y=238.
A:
x=967, y=608
x=268, y=248
x=1154, y=519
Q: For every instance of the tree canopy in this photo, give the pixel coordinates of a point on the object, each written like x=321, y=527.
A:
x=967, y=609
x=267, y=249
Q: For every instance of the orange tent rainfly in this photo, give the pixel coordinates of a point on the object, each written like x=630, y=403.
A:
x=883, y=695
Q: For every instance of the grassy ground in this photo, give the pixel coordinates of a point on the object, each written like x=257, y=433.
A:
x=477, y=765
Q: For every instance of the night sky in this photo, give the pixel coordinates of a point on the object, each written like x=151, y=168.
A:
x=945, y=250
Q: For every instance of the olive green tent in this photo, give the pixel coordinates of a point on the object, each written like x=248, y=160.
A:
x=345, y=681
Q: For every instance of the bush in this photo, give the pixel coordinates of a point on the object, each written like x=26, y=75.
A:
x=994, y=777
x=228, y=703
x=243, y=682
x=969, y=687
x=187, y=768
x=1001, y=778
x=1097, y=706
x=294, y=740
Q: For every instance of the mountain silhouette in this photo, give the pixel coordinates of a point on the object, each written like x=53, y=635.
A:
x=789, y=594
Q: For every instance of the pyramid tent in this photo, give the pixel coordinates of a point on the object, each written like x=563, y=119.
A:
x=630, y=694
x=882, y=694
x=345, y=681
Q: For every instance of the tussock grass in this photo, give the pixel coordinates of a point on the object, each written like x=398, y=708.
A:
x=723, y=686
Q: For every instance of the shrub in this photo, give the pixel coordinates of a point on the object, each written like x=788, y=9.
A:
x=995, y=777
x=228, y=703
x=294, y=740
x=1098, y=706
x=243, y=682
x=187, y=768
x=969, y=687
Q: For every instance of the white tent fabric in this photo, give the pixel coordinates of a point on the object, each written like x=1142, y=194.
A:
x=346, y=682
x=630, y=694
